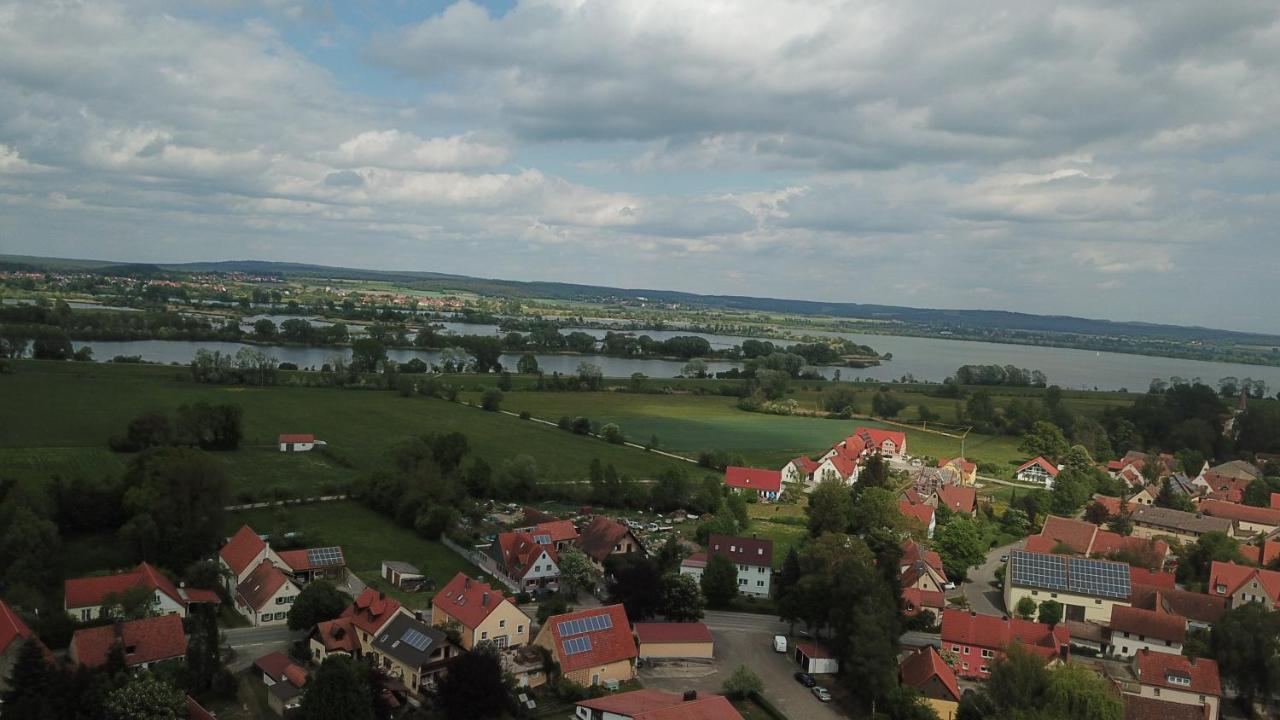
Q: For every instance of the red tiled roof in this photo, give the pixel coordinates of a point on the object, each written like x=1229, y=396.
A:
x=534, y=516
x=1075, y=534
x=922, y=514
x=634, y=702
x=806, y=464
x=300, y=560
x=1200, y=607
x=261, y=585
x=1151, y=623
x=273, y=664
x=1151, y=578
x=843, y=464
x=704, y=707
x=241, y=549
x=200, y=595
x=297, y=438
x=468, y=601
x=753, y=479
x=926, y=663
x=519, y=552
x=1137, y=707
x=913, y=552
x=152, y=639
x=93, y=591
x=914, y=600
x=607, y=646
x=559, y=530
x=745, y=551
x=671, y=632
x=1244, y=513
x=814, y=651
x=197, y=712
x=857, y=439
x=658, y=705
x=598, y=539
x=371, y=610
x=695, y=560
x=1154, y=668
x=964, y=465
x=958, y=498
x=338, y=636
x=1112, y=504
x=1227, y=489
x=1039, y=460
x=987, y=631
x=1263, y=554
x=1231, y=577
x=296, y=675
x=1275, y=501
x=11, y=627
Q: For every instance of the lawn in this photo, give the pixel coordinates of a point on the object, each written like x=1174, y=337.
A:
x=69, y=410
x=367, y=539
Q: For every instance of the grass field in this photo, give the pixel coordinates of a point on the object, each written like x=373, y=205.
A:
x=69, y=410
x=367, y=539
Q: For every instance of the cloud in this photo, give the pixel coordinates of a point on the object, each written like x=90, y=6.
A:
x=406, y=151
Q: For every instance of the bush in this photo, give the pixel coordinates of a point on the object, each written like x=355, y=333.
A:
x=491, y=400
x=613, y=434
x=580, y=425
x=524, y=415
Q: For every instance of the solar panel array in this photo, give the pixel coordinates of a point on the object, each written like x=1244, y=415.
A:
x=576, y=645
x=416, y=639
x=569, y=628
x=321, y=557
x=1100, y=578
x=542, y=539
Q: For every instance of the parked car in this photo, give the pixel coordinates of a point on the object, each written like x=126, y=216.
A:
x=1004, y=557
x=780, y=643
x=822, y=693
x=949, y=586
x=805, y=679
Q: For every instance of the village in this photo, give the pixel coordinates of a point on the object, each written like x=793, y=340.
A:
x=1077, y=592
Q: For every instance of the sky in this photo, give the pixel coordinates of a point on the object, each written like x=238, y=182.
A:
x=1113, y=160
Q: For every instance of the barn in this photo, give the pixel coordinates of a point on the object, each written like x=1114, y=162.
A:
x=297, y=442
x=815, y=658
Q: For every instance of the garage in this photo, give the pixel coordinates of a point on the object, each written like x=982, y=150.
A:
x=661, y=641
x=815, y=658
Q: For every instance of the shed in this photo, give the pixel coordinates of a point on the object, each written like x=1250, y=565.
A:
x=815, y=658
x=397, y=572
x=297, y=442
x=667, y=640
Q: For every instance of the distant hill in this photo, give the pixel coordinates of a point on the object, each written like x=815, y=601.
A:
x=937, y=319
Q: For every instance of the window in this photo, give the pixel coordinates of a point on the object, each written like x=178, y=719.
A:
x=1157, y=692
x=1035, y=592
x=955, y=648
x=987, y=654
x=983, y=668
x=1097, y=602
x=966, y=650
x=502, y=623
x=965, y=665
x=484, y=636
x=759, y=583
x=1053, y=595
x=86, y=614
x=742, y=581
x=519, y=629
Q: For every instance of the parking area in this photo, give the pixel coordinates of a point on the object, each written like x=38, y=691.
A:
x=983, y=598
x=753, y=648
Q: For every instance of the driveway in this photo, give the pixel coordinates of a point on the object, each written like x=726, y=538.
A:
x=983, y=598
x=749, y=641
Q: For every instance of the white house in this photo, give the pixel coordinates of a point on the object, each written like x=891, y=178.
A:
x=265, y=596
x=1134, y=629
x=87, y=598
x=766, y=484
x=298, y=442
x=526, y=562
x=890, y=443
x=800, y=470
x=1038, y=471
x=752, y=556
x=837, y=467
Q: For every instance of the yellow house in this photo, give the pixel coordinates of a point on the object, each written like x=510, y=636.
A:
x=1087, y=589
x=481, y=613
x=592, y=646
x=674, y=640
x=1150, y=521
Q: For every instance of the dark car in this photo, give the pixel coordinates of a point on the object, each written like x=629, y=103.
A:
x=805, y=679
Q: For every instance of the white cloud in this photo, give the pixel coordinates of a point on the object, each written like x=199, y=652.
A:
x=406, y=151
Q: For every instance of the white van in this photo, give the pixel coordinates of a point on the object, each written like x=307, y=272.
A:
x=780, y=643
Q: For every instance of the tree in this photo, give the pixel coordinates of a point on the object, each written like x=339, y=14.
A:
x=1246, y=644
x=1168, y=497
x=1077, y=692
x=474, y=686
x=1199, y=557
x=491, y=400
x=1050, y=613
x=719, y=581
x=31, y=685
x=132, y=603
x=339, y=690
x=552, y=605
x=204, y=655
x=877, y=507
x=55, y=346
x=886, y=404
x=612, y=434
x=576, y=571
x=1026, y=608
x=840, y=399
x=178, y=493
x=741, y=683
x=264, y=329
x=695, y=368
x=590, y=375
x=320, y=600
x=960, y=545
x=144, y=697
x=527, y=364
x=681, y=598
x=636, y=583
x=1045, y=439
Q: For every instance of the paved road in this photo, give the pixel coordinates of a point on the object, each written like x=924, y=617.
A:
x=983, y=598
x=249, y=644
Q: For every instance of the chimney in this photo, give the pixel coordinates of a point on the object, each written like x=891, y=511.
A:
x=690, y=695
x=466, y=584
x=484, y=600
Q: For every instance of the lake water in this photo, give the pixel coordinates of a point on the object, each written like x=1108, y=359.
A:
x=923, y=358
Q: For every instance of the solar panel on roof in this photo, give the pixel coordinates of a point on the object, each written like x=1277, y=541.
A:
x=416, y=639
x=320, y=557
x=575, y=645
x=1078, y=575
x=542, y=539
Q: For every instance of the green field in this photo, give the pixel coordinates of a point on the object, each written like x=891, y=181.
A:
x=68, y=411
x=367, y=539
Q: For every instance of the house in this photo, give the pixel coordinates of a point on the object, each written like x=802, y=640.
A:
x=369, y=614
x=1137, y=707
x=1061, y=535
x=1037, y=471
x=1228, y=481
x=1146, y=495
x=145, y=642
x=1240, y=584
x=13, y=634
x=674, y=640
x=605, y=537
x=1263, y=554
x=765, y=484
x=959, y=471
x=284, y=680
x=195, y=711
x=87, y=598
x=656, y=705
x=921, y=569
x=593, y=646
x=325, y=563
x=411, y=651
x=957, y=499
x=925, y=671
x=1179, y=679
x=800, y=470
x=482, y=613
x=978, y=641
x=839, y=467
x=920, y=514
x=1199, y=610
x=528, y=564
x=337, y=636
x=297, y=442
x=1088, y=589
x=398, y=573
x=863, y=440
x=752, y=556
x=242, y=554
x=265, y=595
x=1152, y=522
x=559, y=534
x=1135, y=629
x=815, y=658
x=1249, y=521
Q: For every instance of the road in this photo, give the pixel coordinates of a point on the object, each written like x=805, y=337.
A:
x=983, y=598
x=251, y=643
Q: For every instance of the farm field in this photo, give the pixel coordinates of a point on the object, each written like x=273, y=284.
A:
x=367, y=539
x=70, y=410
